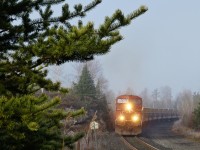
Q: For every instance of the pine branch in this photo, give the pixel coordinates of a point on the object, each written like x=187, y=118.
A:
x=137, y=13
x=45, y=106
x=52, y=2
x=92, y=5
x=110, y=23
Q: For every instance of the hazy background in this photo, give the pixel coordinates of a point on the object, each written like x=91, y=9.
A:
x=160, y=48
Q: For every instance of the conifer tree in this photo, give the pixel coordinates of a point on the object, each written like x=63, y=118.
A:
x=99, y=92
x=28, y=46
x=85, y=87
x=28, y=122
x=197, y=117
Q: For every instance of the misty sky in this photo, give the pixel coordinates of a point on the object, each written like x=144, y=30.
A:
x=160, y=48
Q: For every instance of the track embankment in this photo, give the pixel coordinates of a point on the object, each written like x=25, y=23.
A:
x=159, y=134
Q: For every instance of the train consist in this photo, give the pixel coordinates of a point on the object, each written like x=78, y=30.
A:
x=130, y=114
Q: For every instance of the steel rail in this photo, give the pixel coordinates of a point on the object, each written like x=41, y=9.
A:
x=128, y=144
x=139, y=141
x=146, y=144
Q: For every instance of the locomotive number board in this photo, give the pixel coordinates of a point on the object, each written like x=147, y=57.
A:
x=122, y=100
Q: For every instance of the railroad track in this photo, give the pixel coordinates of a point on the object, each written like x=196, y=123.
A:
x=135, y=143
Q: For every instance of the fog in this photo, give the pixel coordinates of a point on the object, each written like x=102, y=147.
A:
x=160, y=48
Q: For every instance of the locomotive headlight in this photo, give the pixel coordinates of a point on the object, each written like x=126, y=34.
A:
x=135, y=118
x=121, y=118
x=128, y=107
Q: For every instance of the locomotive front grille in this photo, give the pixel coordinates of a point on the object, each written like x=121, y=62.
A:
x=128, y=119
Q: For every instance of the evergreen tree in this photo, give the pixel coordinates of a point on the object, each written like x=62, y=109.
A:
x=196, y=99
x=99, y=92
x=85, y=87
x=29, y=122
x=27, y=47
x=196, y=103
x=197, y=117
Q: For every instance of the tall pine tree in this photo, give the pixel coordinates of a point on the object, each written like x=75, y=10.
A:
x=85, y=87
x=99, y=92
x=28, y=46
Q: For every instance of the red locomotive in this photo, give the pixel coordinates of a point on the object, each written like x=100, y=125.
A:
x=128, y=115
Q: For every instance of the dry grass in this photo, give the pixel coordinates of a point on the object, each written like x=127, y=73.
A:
x=179, y=128
x=103, y=141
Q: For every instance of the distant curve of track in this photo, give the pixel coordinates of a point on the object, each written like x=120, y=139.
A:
x=158, y=135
